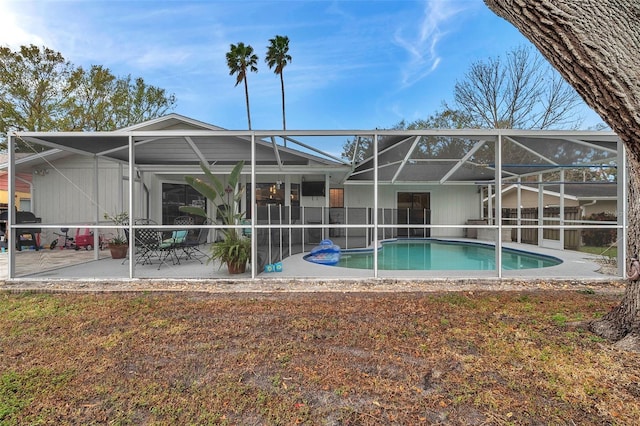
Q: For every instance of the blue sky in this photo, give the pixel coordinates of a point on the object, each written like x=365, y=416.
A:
x=356, y=64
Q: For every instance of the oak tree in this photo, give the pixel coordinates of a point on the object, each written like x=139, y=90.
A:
x=595, y=45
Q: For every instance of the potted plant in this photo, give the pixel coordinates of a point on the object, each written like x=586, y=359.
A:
x=234, y=250
x=118, y=244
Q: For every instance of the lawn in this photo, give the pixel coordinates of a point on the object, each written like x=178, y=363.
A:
x=610, y=252
x=315, y=358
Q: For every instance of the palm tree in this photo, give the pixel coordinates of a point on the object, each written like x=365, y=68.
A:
x=278, y=56
x=241, y=58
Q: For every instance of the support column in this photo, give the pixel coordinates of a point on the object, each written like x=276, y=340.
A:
x=96, y=195
x=10, y=235
x=540, y=209
x=132, y=240
x=562, y=209
x=254, y=237
x=498, y=215
x=519, y=211
x=489, y=205
x=375, y=206
x=622, y=187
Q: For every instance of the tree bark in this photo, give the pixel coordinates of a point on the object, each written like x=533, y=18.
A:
x=595, y=45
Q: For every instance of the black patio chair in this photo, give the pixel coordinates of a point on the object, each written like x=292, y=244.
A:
x=147, y=245
x=169, y=245
x=196, y=239
x=183, y=220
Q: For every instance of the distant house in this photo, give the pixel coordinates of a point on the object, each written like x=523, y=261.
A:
x=23, y=188
x=589, y=197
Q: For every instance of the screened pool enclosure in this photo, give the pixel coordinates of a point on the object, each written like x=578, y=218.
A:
x=546, y=191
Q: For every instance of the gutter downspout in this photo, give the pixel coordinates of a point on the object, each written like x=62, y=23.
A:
x=582, y=207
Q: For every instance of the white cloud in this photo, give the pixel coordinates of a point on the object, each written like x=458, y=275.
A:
x=422, y=42
x=13, y=30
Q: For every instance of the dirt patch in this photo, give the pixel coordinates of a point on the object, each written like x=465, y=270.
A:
x=310, y=286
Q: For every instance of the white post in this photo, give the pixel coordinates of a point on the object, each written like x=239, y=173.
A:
x=132, y=239
x=498, y=215
x=540, y=210
x=375, y=205
x=519, y=210
x=10, y=233
x=254, y=237
x=96, y=195
x=622, y=186
x=562, y=209
x=489, y=205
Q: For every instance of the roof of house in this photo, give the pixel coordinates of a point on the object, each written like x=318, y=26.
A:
x=575, y=190
x=175, y=143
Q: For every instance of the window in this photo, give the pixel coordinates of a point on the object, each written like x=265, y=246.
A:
x=336, y=197
x=176, y=195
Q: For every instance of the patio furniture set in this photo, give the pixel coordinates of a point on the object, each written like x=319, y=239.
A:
x=164, y=245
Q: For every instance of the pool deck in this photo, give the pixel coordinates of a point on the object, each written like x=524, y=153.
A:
x=51, y=265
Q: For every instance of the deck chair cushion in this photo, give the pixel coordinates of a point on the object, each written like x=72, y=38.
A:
x=177, y=237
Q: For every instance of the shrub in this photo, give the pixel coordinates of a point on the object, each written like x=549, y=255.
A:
x=599, y=237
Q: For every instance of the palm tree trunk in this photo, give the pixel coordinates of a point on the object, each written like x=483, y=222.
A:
x=284, y=121
x=246, y=95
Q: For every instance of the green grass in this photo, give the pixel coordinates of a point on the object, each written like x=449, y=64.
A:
x=611, y=252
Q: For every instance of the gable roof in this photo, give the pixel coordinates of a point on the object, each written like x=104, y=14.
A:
x=171, y=121
x=178, y=142
x=576, y=191
x=438, y=156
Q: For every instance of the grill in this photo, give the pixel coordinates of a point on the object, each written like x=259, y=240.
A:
x=28, y=235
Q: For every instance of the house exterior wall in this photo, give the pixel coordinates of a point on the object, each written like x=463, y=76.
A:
x=600, y=206
x=4, y=198
x=66, y=193
x=450, y=204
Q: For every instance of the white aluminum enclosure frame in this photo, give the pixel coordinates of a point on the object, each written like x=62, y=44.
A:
x=136, y=163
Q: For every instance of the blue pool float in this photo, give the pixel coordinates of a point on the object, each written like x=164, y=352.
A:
x=326, y=253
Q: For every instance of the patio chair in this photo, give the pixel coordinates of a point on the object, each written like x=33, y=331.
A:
x=195, y=239
x=168, y=247
x=246, y=231
x=177, y=240
x=140, y=251
x=183, y=220
x=147, y=245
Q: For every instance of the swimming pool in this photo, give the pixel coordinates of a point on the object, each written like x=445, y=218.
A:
x=431, y=254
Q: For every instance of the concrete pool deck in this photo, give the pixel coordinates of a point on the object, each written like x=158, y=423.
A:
x=51, y=265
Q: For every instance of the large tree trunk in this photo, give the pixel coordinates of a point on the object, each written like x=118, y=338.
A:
x=595, y=45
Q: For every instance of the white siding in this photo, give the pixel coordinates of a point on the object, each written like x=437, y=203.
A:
x=66, y=194
x=450, y=204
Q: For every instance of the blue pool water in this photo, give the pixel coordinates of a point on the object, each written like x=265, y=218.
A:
x=442, y=255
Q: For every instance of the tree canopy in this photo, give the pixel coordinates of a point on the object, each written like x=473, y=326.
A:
x=240, y=60
x=595, y=46
x=277, y=58
x=41, y=91
x=521, y=92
